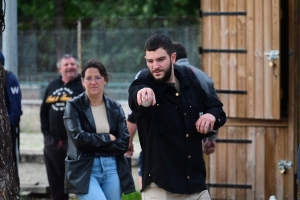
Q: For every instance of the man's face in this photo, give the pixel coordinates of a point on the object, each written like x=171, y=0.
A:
x=160, y=64
x=68, y=69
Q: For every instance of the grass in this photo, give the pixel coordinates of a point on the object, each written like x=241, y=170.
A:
x=132, y=196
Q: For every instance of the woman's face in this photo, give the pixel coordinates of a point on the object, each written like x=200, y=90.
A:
x=93, y=82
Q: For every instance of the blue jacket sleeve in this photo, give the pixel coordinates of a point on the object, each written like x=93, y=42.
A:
x=14, y=97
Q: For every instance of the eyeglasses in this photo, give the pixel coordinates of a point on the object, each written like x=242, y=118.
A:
x=97, y=79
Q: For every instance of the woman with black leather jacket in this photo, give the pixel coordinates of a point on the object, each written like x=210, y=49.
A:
x=97, y=140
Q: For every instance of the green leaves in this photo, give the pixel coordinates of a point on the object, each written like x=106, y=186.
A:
x=47, y=9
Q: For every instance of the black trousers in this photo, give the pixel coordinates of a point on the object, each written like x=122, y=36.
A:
x=55, y=152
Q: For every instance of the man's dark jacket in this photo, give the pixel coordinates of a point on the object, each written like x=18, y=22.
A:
x=85, y=143
x=171, y=145
x=52, y=110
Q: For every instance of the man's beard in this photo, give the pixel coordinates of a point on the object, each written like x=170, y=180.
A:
x=166, y=77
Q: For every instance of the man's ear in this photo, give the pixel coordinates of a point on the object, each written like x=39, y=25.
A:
x=173, y=57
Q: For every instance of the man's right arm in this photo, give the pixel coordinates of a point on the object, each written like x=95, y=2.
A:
x=44, y=115
x=131, y=123
x=132, y=128
x=134, y=89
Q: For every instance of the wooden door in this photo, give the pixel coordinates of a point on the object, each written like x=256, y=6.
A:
x=245, y=163
x=236, y=35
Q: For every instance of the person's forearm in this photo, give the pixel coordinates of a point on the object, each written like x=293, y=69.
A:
x=132, y=130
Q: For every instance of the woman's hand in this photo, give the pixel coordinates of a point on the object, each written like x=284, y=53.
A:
x=112, y=137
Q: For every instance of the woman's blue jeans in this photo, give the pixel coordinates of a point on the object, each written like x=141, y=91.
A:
x=104, y=181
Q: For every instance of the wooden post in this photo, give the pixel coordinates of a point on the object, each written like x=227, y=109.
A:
x=79, y=52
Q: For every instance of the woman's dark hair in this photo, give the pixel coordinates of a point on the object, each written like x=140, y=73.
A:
x=159, y=41
x=94, y=63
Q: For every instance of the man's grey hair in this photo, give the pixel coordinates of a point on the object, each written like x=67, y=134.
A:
x=66, y=56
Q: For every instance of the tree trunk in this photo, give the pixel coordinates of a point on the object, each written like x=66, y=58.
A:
x=9, y=189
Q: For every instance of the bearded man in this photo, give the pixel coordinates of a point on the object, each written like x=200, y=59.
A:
x=173, y=115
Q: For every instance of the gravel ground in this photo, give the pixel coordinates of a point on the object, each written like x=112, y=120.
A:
x=31, y=141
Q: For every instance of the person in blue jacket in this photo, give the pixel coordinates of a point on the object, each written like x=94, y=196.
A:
x=13, y=99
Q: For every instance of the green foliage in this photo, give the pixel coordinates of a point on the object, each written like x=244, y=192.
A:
x=36, y=8
x=132, y=196
x=46, y=9
x=43, y=13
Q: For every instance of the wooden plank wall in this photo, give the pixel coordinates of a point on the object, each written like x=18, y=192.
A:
x=253, y=164
x=258, y=59
x=241, y=59
x=250, y=36
x=257, y=32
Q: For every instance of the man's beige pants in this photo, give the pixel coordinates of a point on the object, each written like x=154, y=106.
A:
x=152, y=191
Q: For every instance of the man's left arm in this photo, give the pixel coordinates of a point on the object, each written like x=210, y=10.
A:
x=209, y=144
x=14, y=96
x=212, y=91
x=215, y=107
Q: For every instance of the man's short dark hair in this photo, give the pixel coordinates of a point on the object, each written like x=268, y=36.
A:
x=159, y=41
x=179, y=50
